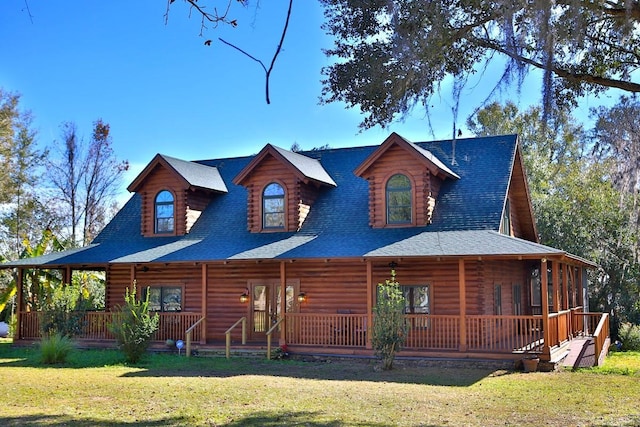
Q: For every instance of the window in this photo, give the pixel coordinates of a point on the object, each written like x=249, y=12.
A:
x=164, y=298
x=536, y=288
x=273, y=206
x=506, y=219
x=399, y=200
x=417, y=299
x=517, y=299
x=497, y=300
x=164, y=212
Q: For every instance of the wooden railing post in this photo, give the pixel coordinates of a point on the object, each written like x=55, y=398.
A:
x=544, y=287
x=188, y=334
x=242, y=320
x=270, y=333
x=19, y=311
x=462, y=287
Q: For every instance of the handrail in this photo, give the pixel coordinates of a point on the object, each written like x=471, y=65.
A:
x=188, y=335
x=269, y=333
x=600, y=336
x=242, y=320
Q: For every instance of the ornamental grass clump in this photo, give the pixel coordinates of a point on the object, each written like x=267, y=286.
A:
x=133, y=326
x=389, y=326
x=55, y=348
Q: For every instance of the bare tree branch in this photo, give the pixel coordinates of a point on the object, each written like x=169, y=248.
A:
x=275, y=55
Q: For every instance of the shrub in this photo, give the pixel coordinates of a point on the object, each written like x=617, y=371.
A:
x=629, y=336
x=133, y=326
x=63, y=312
x=389, y=326
x=55, y=348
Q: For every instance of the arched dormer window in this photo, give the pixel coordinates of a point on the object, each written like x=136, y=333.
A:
x=398, y=197
x=273, y=206
x=164, y=212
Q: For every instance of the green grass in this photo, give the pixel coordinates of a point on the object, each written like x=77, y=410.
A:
x=96, y=388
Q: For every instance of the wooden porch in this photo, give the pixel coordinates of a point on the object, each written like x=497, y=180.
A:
x=497, y=337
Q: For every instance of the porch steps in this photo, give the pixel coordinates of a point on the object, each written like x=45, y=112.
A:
x=582, y=353
x=250, y=351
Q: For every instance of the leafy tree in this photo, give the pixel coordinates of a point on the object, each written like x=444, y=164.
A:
x=133, y=326
x=389, y=56
x=616, y=140
x=38, y=283
x=576, y=202
x=25, y=212
x=389, y=326
x=86, y=178
x=63, y=311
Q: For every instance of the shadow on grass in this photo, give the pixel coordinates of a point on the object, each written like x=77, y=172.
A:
x=66, y=420
x=173, y=365
x=262, y=419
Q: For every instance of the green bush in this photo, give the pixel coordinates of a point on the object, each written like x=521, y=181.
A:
x=389, y=326
x=55, y=348
x=133, y=326
x=629, y=337
x=63, y=312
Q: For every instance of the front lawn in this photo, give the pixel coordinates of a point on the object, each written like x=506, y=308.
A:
x=95, y=388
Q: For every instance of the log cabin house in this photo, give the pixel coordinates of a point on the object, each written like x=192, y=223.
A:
x=291, y=245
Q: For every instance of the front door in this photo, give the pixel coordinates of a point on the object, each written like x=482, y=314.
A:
x=266, y=306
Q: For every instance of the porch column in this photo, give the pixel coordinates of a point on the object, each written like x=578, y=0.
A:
x=462, y=286
x=205, y=288
x=544, y=285
x=19, y=309
x=132, y=274
x=369, y=303
x=283, y=301
x=565, y=288
x=555, y=285
x=584, y=285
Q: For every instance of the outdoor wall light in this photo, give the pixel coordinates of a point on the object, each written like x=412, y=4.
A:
x=302, y=297
x=244, y=297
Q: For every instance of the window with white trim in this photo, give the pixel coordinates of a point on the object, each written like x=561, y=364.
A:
x=273, y=203
x=164, y=212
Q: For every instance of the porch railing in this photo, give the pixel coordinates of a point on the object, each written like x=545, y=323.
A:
x=491, y=334
x=346, y=330
x=597, y=326
x=504, y=334
x=94, y=326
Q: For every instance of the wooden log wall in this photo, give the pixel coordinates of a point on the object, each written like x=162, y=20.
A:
x=521, y=214
x=162, y=179
x=187, y=276
x=397, y=160
x=262, y=175
x=332, y=286
x=197, y=201
x=226, y=282
x=506, y=274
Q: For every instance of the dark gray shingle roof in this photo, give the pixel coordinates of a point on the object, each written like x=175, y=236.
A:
x=465, y=221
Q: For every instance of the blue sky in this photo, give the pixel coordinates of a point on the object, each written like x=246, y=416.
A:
x=163, y=91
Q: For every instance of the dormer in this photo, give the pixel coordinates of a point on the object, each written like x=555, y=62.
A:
x=404, y=182
x=174, y=194
x=282, y=187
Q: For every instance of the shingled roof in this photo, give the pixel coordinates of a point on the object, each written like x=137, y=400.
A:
x=195, y=175
x=465, y=222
